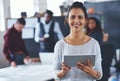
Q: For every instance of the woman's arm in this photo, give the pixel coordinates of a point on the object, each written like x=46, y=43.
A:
x=88, y=69
x=64, y=71
x=60, y=69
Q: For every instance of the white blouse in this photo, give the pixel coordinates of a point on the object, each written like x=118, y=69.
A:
x=74, y=74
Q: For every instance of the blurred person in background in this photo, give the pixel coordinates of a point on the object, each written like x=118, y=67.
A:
x=47, y=32
x=105, y=37
x=107, y=50
x=115, y=67
x=94, y=29
x=14, y=47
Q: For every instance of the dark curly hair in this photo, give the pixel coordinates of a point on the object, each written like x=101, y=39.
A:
x=97, y=27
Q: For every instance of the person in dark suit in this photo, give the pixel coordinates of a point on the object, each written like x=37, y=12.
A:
x=47, y=32
x=108, y=52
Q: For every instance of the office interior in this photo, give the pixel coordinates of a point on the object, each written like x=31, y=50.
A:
x=107, y=11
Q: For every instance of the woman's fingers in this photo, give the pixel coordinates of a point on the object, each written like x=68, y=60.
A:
x=89, y=63
x=83, y=67
x=65, y=68
x=63, y=64
x=80, y=65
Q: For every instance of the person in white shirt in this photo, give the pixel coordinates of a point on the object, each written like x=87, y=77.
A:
x=77, y=42
x=47, y=32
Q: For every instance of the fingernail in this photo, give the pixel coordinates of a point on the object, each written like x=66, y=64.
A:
x=78, y=62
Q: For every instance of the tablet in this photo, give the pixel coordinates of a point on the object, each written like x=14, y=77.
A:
x=71, y=60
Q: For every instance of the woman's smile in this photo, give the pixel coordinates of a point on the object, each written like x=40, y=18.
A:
x=76, y=25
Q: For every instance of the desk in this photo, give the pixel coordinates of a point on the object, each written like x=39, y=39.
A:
x=30, y=72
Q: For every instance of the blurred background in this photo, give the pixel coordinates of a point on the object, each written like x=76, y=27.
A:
x=107, y=11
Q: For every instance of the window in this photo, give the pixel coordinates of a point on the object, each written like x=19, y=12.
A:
x=18, y=6
x=57, y=3
x=55, y=9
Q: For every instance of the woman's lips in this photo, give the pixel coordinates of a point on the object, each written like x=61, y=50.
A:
x=76, y=26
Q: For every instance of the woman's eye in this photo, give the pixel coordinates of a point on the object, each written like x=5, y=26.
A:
x=72, y=17
x=80, y=17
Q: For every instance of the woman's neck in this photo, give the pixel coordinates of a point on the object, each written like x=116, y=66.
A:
x=77, y=38
x=76, y=35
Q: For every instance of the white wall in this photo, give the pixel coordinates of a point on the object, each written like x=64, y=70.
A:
x=3, y=61
x=2, y=22
x=5, y=10
x=42, y=5
x=4, y=13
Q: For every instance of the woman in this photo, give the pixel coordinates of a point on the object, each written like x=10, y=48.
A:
x=77, y=42
x=94, y=29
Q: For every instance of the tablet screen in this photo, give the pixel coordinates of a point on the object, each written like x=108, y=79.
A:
x=71, y=60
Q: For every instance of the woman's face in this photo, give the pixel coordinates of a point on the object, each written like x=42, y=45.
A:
x=91, y=24
x=76, y=19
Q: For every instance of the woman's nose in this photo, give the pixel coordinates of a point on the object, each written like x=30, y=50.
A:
x=76, y=20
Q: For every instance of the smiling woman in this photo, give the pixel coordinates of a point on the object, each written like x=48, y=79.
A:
x=77, y=42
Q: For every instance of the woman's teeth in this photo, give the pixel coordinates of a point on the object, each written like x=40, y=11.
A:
x=76, y=26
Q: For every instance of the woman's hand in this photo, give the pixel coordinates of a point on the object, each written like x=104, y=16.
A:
x=64, y=71
x=88, y=68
